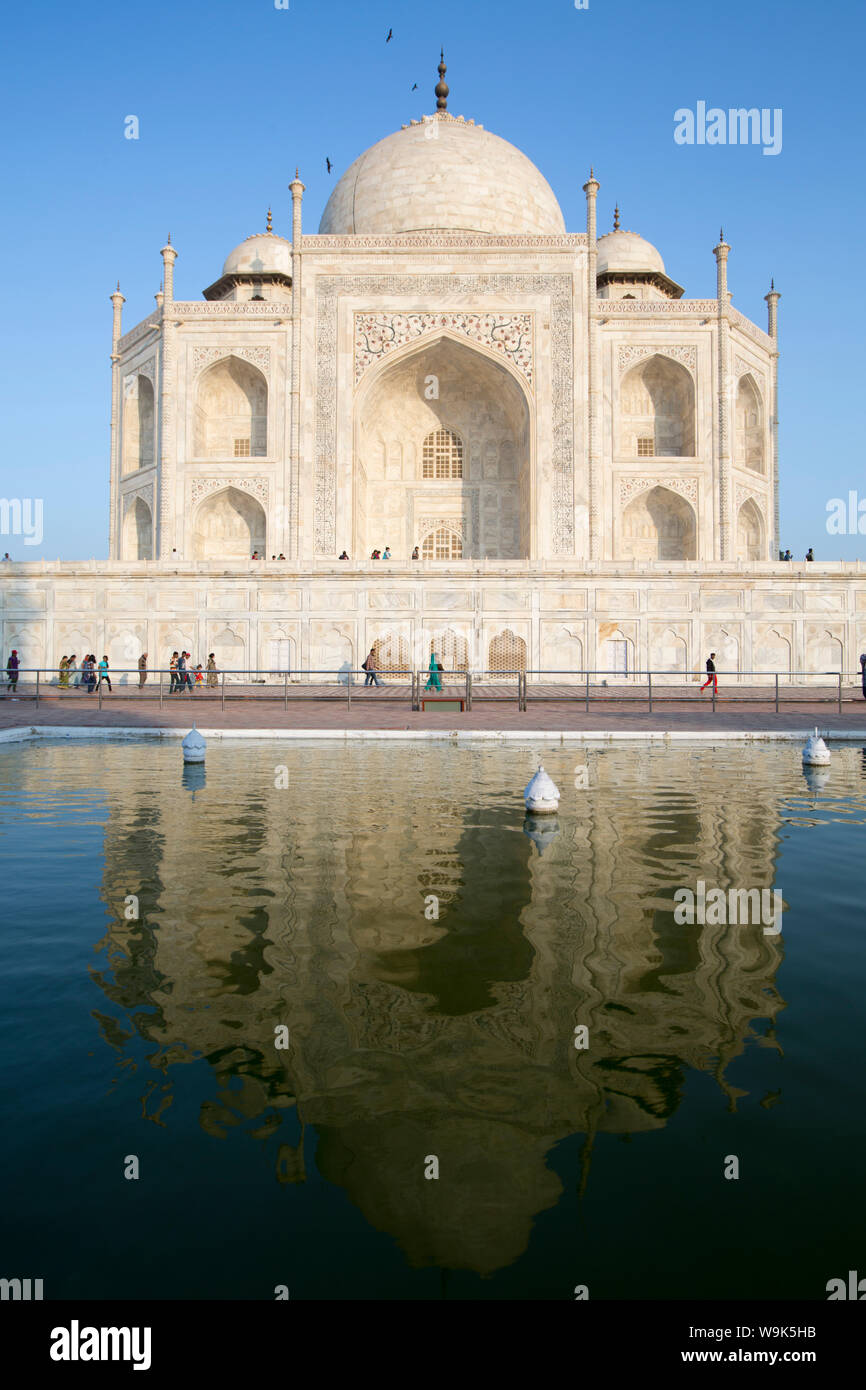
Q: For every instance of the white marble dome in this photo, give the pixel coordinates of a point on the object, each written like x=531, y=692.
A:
x=442, y=174
x=626, y=251
x=262, y=254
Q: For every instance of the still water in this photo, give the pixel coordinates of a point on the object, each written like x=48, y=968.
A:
x=312, y=906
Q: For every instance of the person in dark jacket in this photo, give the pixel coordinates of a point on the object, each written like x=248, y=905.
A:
x=712, y=679
x=12, y=670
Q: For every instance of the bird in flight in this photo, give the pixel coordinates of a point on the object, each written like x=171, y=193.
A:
x=415, y=88
x=390, y=35
x=329, y=164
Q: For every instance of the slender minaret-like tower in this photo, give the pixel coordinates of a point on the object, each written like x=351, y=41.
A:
x=167, y=514
x=591, y=188
x=772, y=300
x=293, y=539
x=724, y=505
x=118, y=301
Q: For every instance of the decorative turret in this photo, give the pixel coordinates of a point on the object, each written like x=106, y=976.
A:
x=442, y=88
x=169, y=256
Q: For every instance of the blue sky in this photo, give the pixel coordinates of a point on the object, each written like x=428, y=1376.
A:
x=232, y=94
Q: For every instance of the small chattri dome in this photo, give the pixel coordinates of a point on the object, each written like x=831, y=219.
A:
x=626, y=252
x=262, y=254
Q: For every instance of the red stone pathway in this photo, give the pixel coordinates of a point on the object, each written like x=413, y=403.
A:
x=389, y=708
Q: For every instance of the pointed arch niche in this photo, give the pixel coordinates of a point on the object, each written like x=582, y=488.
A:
x=138, y=424
x=231, y=411
x=658, y=524
x=751, y=537
x=229, y=525
x=138, y=531
x=443, y=430
x=749, y=433
x=657, y=410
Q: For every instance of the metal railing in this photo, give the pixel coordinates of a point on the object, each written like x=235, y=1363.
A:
x=649, y=689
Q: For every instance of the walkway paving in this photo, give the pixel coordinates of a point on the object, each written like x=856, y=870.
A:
x=494, y=708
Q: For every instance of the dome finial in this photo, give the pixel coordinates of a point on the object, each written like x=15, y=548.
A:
x=269, y=227
x=442, y=86
x=616, y=218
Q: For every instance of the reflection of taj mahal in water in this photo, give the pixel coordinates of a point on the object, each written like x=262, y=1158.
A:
x=586, y=460
x=411, y=1036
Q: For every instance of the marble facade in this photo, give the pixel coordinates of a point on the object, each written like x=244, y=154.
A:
x=582, y=455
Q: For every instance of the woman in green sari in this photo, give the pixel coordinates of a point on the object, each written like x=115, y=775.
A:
x=434, y=680
x=63, y=673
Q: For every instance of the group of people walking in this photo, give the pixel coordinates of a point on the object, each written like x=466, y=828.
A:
x=91, y=674
x=184, y=677
x=88, y=676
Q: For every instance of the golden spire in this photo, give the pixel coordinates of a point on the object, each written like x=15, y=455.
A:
x=269, y=227
x=616, y=218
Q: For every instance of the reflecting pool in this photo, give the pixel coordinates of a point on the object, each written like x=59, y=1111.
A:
x=431, y=956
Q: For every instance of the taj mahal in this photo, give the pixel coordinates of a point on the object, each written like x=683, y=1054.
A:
x=570, y=463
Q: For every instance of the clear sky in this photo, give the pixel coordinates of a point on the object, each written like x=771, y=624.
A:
x=231, y=95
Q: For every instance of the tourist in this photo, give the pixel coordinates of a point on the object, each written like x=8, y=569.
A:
x=72, y=670
x=7, y=557
x=415, y=555
x=12, y=670
x=344, y=556
x=788, y=555
x=281, y=556
x=370, y=667
x=809, y=555
x=712, y=678
x=211, y=672
x=387, y=554
x=374, y=555
x=142, y=670
x=863, y=671
x=199, y=678
x=434, y=668
x=255, y=555
x=182, y=673
x=87, y=673
x=103, y=673
x=172, y=670
x=63, y=673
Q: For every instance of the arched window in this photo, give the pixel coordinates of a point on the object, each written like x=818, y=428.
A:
x=442, y=455
x=442, y=544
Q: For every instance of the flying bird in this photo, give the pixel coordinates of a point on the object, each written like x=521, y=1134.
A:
x=415, y=88
x=390, y=35
x=329, y=164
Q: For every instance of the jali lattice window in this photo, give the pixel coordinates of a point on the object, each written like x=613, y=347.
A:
x=442, y=455
x=242, y=448
x=506, y=655
x=645, y=447
x=442, y=545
